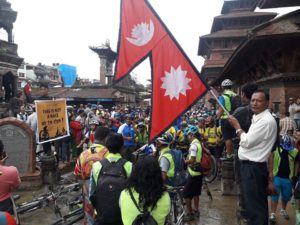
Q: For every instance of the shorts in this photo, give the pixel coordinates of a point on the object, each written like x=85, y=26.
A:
x=7, y=206
x=284, y=188
x=227, y=131
x=216, y=151
x=192, y=187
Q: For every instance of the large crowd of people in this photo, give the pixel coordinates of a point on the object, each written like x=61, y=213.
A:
x=267, y=146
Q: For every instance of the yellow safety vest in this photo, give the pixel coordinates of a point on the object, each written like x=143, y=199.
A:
x=198, y=157
x=171, y=171
x=129, y=211
x=277, y=158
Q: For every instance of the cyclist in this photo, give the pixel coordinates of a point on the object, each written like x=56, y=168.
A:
x=146, y=187
x=213, y=136
x=90, y=135
x=192, y=189
x=181, y=141
x=98, y=146
x=141, y=134
x=165, y=159
x=225, y=101
x=201, y=126
x=111, y=182
x=284, y=166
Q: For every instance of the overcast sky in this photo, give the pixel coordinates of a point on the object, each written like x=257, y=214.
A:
x=60, y=31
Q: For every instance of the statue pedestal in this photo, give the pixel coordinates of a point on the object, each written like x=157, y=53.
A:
x=228, y=184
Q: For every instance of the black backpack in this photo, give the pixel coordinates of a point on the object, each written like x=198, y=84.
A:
x=235, y=102
x=144, y=218
x=111, y=182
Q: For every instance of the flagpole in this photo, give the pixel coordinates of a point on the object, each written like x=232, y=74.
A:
x=225, y=110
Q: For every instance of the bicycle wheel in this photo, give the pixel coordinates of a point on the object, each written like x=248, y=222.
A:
x=211, y=176
x=28, y=207
x=71, y=219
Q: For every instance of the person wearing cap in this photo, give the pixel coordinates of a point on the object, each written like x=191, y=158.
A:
x=225, y=101
x=165, y=158
x=181, y=141
x=89, y=135
x=192, y=189
x=22, y=115
x=286, y=162
x=141, y=134
x=213, y=136
x=201, y=127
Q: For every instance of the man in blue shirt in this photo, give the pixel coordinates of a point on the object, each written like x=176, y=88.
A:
x=128, y=134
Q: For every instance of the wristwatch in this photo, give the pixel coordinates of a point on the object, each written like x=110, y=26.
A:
x=238, y=130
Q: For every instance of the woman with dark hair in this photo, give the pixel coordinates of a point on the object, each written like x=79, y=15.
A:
x=147, y=190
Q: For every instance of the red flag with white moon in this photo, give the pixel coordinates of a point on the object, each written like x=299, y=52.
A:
x=176, y=82
x=140, y=31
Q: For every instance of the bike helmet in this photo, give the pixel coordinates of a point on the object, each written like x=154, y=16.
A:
x=166, y=138
x=93, y=122
x=7, y=219
x=201, y=119
x=184, y=124
x=209, y=120
x=226, y=83
x=190, y=129
x=286, y=142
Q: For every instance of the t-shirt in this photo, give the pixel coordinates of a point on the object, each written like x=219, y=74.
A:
x=164, y=164
x=297, y=114
x=193, y=150
x=213, y=134
x=9, y=180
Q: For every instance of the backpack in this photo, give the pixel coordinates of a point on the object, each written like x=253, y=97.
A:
x=206, y=161
x=205, y=164
x=180, y=175
x=111, y=182
x=89, y=158
x=235, y=102
x=144, y=218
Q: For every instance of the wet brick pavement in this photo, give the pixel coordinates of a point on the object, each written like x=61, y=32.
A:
x=219, y=211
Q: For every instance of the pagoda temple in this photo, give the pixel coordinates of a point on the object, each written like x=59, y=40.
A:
x=270, y=57
x=9, y=59
x=228, y=31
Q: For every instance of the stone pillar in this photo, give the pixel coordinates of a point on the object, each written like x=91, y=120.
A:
x=10, y=35
x=102, y=71
x=228, y=184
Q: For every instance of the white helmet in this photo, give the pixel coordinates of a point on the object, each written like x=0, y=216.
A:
x=226, y=83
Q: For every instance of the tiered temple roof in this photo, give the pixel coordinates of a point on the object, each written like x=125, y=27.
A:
x=228, y=31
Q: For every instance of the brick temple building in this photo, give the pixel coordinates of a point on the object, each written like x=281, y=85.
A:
x=270, y=56
x=228, y=31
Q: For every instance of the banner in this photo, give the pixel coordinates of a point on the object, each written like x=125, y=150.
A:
x=52, y=120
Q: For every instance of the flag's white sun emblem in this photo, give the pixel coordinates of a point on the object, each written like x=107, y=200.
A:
x=141, y=33
x=175, y=83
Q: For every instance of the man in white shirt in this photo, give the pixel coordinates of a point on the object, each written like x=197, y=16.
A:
x=292, y=107
x=254, y=151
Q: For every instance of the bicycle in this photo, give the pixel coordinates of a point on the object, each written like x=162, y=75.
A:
x=74, y=215
x=177, y=206
x=47, y=199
